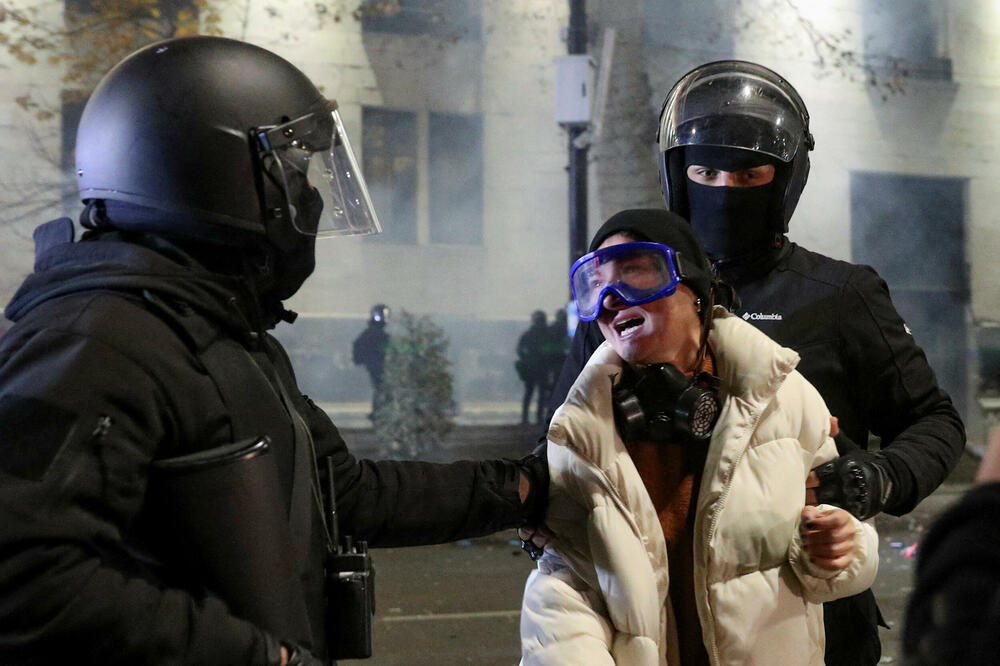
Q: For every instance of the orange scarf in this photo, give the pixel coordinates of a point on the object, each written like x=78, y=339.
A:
x=671, y=474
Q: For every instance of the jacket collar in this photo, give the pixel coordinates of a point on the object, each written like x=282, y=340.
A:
x=111, y=262
x=750, y=365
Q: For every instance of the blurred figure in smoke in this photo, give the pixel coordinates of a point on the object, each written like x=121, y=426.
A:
x=531, y=365
x=369, y=349
x=734, y=140
x=556, y=350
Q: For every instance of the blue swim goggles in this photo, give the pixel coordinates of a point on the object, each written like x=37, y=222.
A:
x=635, y=272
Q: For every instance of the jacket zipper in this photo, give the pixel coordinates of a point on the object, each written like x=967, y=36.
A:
x=716, y=659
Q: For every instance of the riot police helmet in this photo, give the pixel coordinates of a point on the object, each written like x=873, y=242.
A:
x=225, y=142
x=745, y=108
x=379, y=314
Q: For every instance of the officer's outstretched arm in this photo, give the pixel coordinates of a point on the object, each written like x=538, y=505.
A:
x=411, y=503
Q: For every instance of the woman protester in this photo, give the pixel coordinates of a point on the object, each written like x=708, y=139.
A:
x=678, y=462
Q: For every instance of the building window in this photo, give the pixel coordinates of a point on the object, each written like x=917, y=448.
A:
x=448, y=19
x=455, y=178
x=908, y=40
x=425, y=174
x=389, y=163
x=901, y=224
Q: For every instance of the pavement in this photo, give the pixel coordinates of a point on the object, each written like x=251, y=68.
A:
x=458, y=603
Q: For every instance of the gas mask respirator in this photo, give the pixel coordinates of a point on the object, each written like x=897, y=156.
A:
x=660, y=403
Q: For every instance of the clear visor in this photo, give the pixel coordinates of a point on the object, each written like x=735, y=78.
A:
x=316, y=147
x=736, y=109
x=635, y=272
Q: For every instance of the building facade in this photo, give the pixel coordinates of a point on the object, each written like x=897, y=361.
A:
x=450, y=104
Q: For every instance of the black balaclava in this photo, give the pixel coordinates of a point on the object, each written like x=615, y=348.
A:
x=735, y=224
x=295, y=260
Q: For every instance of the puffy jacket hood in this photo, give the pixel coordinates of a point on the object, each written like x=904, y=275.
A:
x=110, y=262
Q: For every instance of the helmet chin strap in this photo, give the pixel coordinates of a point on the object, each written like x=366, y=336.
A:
x=95, y=216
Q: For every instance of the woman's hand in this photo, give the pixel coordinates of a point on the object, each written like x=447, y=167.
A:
x=827, y=537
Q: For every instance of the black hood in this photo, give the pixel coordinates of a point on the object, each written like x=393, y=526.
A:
x=130, y=263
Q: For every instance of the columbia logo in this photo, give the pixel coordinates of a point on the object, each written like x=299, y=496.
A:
x=762, y=316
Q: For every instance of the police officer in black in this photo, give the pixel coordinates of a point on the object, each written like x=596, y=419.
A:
x=140, y=364
x=368, y=349
x=734, y=141
x=531, y=366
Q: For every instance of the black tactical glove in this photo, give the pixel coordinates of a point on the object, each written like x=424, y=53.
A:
x=297, y=656
x=536, y=468
x=858, y=482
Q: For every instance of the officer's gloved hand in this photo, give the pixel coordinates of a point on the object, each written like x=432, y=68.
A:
x=536, y=467
x=298, y=656
x=283, y=653
x=858, y=481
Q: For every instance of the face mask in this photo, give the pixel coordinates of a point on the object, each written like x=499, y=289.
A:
x=732, y=221
x=296, y=261
x=659, y=403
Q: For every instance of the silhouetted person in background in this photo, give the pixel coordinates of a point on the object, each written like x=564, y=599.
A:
x=369, y=349
x=532, y=366
x=556, y=350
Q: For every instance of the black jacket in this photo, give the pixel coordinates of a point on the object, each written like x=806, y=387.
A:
x=96, y=381
x=856, y=350
x=369, y=349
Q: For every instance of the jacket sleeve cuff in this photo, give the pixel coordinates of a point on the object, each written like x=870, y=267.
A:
x=822, y=585
x=799, y=558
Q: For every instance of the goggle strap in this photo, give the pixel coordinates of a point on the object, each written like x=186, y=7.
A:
x=681, y=264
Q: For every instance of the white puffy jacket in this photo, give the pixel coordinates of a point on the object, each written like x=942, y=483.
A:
x=600, y=593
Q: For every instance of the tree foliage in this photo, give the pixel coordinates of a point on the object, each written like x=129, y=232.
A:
x=95, y=34
x=832, y=49
x=414, y=410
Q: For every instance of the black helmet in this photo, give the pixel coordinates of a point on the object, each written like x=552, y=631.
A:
x=380, y=313
x=538, y=318
x=218, y=137
x=736, y=104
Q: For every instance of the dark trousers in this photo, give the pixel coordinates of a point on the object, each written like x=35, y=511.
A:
x=530, y=385
x=852, y=630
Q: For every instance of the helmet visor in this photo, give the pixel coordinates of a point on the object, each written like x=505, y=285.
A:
x=744, y=106
x=316, y=147
x=635, y=272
